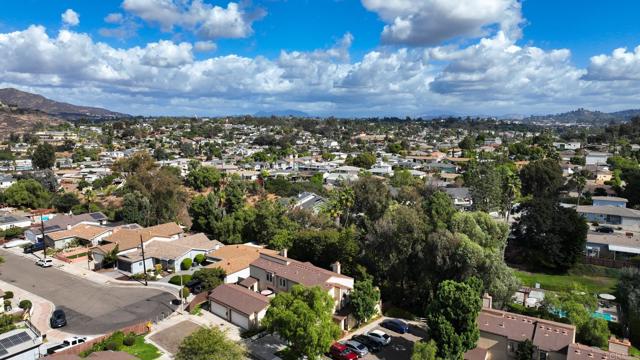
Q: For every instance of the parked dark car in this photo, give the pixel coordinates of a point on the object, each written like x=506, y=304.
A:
x=371, y=344
x=604, y=229
x=396, y=325
x=29, y=249
x=58, y=319
x=195, y=286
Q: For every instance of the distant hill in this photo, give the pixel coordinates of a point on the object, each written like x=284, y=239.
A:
x=18, y=120
x=281, y=113
x=35, y=102
x=584, y=116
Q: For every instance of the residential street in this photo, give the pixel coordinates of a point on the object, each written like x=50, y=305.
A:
x=90, y=308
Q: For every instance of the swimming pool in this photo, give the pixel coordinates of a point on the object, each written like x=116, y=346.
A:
x=605, y=316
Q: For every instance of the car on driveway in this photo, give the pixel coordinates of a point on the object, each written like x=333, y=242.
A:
x=357, y=348
x=371, y=344
x=31, y=248
x=379, y=336
x=58, y=319
x=45, y=263
x=340, y=351
x=395, y=325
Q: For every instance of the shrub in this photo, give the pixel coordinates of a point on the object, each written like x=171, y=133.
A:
x=175, y=280
x=7, y=303
x=185, y=292
x=399, y=313
x=8, y=295
x=199, y=259
x=129, y=340
x=111, y=346
x=186, y=264
x=25, y=304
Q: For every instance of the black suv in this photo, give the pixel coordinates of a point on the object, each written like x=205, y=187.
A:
x=58, y=319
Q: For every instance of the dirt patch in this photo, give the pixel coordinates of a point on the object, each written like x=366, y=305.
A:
x=171, y=338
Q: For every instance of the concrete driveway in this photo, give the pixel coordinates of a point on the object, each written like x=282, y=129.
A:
x=91, y=308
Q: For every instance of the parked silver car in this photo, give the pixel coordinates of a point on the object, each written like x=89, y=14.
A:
x=379, y=336
x=357, y=348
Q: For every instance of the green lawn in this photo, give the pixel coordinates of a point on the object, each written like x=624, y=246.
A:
x=595, y=283
x=142, y=350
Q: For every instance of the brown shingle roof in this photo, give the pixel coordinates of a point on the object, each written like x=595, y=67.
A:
x=130, y=238
x=301, y=273
x=547, y=335
x=584, y=352
x=82, y=231
x=238, y=298
x=234, y=258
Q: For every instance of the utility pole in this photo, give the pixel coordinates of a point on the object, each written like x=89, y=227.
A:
x=144, y=262
x=44, y=243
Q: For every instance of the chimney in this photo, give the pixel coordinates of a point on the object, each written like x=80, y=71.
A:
x=487, y=301
x=619, y=346
x=336, y=267
x=284, y=252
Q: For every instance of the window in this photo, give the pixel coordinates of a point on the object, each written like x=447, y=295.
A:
x=544, y=355
x=270, y=277
x=282, y=282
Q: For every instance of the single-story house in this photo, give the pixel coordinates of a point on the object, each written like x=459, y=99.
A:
x=238, y=305
x=618, y=350
x=168, y=253
x=609, y=201
x=611, y=215
x=235, y=260
x=65, y=222
x=461, y=197
x=86, y=235
x=6, y=181
x=10, y=221
x=612, y=246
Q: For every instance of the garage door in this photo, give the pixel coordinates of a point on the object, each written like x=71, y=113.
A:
x=239, y=319
x=219, y=310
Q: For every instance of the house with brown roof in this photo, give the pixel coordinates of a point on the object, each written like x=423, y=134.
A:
x=235, y=260
x=127, y=239
x=64, y=222
x=618, y=350
x=83, y=234
x=275, y=273
x=238, y=305
x=168, y=253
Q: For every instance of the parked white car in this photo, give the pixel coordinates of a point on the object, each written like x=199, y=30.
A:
x=380, y=337
x=45, y=263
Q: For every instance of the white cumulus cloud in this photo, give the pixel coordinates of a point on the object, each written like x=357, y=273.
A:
x=429, y=22
x=70, y=18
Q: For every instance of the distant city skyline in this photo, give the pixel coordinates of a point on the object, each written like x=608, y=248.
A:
x=325, y=57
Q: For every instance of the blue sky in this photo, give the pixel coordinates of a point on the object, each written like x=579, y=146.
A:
x=325, y=57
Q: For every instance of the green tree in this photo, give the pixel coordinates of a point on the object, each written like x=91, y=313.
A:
x=136, y=209
x=484, y=182
x=549, y=235
x=423, y=350
x=209, y=278
x=525, y=350
x=628, y=291
x=324, y=247
x=210, y=344
x=402, y=177
x=202, y=177
x=27, y=194
x=44, y=156
x=303, y=318
x=452, y=318
x=439, y=209
x=364, y=160
x=270, y=218
x=163, y=187
x=595, y=333
x=364, y=299
x=372, y=197
x=65, y=202
x=541, y=178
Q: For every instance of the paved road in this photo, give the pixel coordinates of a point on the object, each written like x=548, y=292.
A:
x=91, y=308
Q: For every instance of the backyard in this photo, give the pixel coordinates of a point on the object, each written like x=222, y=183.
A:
x=590, y=278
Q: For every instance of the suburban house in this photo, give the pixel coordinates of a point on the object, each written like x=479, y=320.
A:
x=10, y=221
x=461, y=197
x=21, y=343
x=65, y=222
x=167, y=253
x=597, y=158
x=125, y=238
x=6, y=181
x=614, y=246
x=85, y=235
x=609, y=201
x=235, y=260
x=238, y=305
x=308, y=201
x=611, y=215
x=275, y=273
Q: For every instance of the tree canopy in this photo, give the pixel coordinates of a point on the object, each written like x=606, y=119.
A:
x=210, y=344
x=44, y=156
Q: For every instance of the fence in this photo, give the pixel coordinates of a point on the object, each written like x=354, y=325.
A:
x=197, y=300
x=611, y=263
x=138, y=329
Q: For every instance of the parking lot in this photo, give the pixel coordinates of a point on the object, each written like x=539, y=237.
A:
x=401, y=345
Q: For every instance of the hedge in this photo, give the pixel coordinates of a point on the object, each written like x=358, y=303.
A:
x=175, y=280
x=186, y=264
x=199, y=259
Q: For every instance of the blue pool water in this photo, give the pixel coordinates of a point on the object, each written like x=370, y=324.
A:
x=595, y=314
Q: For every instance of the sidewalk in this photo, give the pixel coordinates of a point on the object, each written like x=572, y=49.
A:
x=40, y=312
x=80, y=270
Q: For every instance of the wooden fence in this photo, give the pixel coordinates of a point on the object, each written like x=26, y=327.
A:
x=609, y=262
